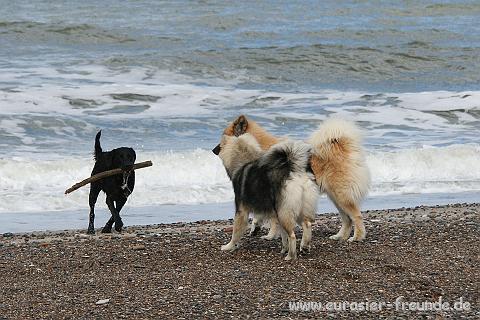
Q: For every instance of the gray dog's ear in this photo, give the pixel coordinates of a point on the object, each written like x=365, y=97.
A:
x=240, y=125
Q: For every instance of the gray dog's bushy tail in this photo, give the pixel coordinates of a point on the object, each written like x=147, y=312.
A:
x=292, y=156
x=287, y=157
x=98, y=148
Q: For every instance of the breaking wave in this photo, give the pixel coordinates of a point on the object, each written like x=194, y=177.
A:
x=198, y=176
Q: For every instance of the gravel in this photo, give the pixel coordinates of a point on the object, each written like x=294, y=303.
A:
x=178, y=271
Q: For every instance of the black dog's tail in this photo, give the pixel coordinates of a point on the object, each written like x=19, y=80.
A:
x=98, y=148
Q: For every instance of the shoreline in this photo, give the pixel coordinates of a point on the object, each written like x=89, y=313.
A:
x=405, y=213
x=177, y=270
x=20, y=222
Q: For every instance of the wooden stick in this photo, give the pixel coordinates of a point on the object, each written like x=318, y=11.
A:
x=105, y=174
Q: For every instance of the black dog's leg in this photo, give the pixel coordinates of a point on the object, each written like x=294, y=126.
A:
x=92, y=199
x=119, y=206
x=115, y=215
x=109, y=224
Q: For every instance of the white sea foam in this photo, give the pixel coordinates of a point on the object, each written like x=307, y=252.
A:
x=198, y=177
x=454, y=168
x=400, y=127
x=50, y=90
x=54, y=101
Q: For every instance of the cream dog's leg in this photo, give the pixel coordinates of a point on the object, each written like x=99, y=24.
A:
x=273, y=233
x=346, y=228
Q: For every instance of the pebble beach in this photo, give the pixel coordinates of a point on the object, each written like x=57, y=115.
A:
x=178, y=271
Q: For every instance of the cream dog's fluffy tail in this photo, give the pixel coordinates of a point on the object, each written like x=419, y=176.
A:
x=337, y=144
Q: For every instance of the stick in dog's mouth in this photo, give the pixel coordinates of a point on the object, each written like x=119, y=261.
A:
x=105, y=174
x=127, y=169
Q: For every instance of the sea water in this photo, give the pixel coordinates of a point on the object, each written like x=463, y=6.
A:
x=166, y=78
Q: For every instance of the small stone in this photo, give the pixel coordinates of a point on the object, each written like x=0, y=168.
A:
x=103, y=301
x=8, y=235
x=138, y=247
x=217, y=296
x=228, y=229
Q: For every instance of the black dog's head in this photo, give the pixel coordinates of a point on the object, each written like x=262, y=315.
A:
x=123, y=158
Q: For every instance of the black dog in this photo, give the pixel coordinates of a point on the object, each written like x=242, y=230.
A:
x=117, y=187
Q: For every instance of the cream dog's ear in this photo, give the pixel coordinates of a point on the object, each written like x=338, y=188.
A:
x=240, y=125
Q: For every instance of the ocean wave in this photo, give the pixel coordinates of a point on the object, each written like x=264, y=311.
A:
x=69, y=104
x=33, y=31
x=90, y=89
x=198, y=176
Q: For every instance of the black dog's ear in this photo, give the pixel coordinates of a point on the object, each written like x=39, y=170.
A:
x=240, y=125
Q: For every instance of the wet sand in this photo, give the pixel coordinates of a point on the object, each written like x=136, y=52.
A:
x=178, y=270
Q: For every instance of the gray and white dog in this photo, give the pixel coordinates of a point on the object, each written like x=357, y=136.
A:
x=275, y=183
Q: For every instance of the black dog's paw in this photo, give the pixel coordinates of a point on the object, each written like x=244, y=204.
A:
x=107, y=230
x=118, y=226
x=91, y=231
